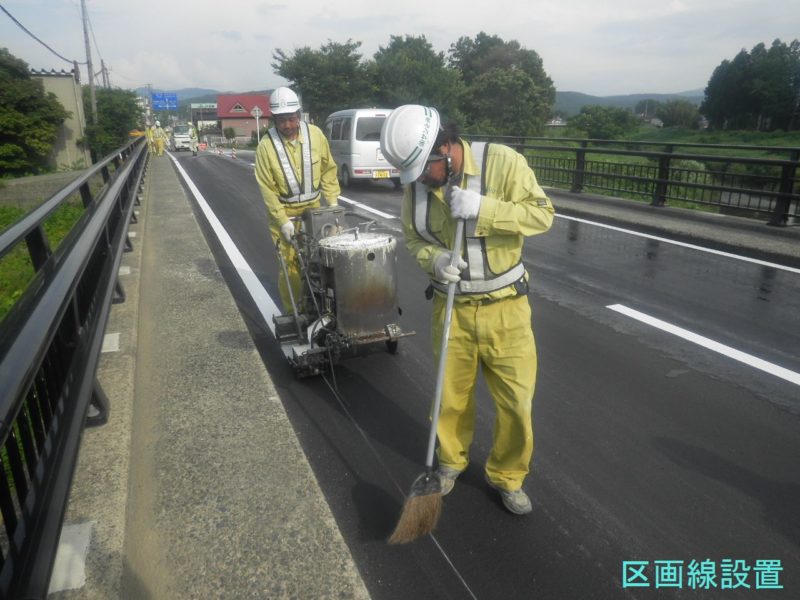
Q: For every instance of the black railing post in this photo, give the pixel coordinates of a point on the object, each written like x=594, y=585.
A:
x=660, y=191
x=580, y=168
x=780, y=216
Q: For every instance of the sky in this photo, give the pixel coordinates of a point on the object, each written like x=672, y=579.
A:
x=602, y=48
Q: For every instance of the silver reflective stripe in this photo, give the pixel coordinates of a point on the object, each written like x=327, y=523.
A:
x=308, y=193
x=474, y=246
x=420, y=210
x=498, y=282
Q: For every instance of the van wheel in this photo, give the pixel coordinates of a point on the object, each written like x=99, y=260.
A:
x=345, y=177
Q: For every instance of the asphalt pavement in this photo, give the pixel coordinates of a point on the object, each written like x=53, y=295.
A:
x=198, y=486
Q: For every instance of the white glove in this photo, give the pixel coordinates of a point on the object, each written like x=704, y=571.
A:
x=444, y=271
x=464, y=204
x=287, y=231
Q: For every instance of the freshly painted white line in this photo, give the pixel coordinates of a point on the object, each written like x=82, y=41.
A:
x=124, y=270
x=265, y=304
x=132, y=234
x=110, y=342
x=367, y=208
x=748, y=359
x=69, y=568
x=683, y=244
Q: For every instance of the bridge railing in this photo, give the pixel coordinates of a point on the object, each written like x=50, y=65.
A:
x=50, y=343
x=725, y=178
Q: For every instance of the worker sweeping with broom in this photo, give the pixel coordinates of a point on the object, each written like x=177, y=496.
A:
x=485, y=198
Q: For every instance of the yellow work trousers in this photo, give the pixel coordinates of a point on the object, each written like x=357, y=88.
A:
x=159, y=146
x=290, y=256
x=498, y=338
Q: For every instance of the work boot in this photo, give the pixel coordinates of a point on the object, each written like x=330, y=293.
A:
x=447, y=478
x=516, y=502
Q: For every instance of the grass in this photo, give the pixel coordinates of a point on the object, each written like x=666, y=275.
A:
x=16, y=268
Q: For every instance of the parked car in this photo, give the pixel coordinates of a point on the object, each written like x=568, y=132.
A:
x=354, y=136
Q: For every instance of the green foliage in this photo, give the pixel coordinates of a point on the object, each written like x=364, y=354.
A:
x=648, y=108
x=409, y=71
x=678, y=113
x=117, y=114
x=29, y=118
x=229, y=133
x=328, y=79
x=756, y=90
x=507, y=89
x=605, y=122
x=16, y=269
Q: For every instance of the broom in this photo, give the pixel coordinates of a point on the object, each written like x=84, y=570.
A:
x=424, y=504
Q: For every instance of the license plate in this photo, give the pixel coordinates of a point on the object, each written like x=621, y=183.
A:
x=380, y=174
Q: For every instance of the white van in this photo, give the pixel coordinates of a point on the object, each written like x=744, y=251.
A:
x=180, y=137
x=355, y=139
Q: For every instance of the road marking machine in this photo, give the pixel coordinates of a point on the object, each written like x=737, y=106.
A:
x=348, y=304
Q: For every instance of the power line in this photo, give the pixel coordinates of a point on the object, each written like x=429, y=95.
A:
x=21, y=26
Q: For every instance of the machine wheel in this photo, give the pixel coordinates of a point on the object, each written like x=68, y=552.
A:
x=396, y=182
x=345, y=178
x=391, y=346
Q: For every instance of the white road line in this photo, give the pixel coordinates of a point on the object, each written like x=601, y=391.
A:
x=683, y=244
x=367, y=208
x=69, y=568
x=265, y=304
x=124, y=270
x=748, y=359
x=110, y=343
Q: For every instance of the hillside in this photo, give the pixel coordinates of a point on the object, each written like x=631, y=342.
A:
x=570, y=103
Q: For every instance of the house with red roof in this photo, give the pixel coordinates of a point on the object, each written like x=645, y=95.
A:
x=236, y=110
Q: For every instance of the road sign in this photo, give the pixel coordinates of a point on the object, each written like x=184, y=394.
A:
x=161, y=101
x=257, y=112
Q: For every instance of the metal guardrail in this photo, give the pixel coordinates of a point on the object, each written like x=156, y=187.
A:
x=696, y=176
x=50, y=344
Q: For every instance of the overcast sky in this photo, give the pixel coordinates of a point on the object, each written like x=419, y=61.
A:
x=597, y=47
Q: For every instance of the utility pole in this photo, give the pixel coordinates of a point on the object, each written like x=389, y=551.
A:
x=104, y=71
x=89, y=61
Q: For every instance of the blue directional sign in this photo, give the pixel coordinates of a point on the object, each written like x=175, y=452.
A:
x=161, y=101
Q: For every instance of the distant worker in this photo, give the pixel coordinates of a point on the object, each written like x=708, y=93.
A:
x=160, y=138
x=193, y=139
x=294, y=169
x=492, y=188
x=148, y=130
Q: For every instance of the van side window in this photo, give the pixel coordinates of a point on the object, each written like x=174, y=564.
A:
x=368, y=129
x=336, y=133
x=347, y=124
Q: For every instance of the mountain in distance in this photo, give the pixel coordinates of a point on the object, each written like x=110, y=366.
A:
x=570, y=103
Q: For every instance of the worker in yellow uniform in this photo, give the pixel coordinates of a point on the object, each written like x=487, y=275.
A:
x=160, y=138
x=193, y=139
x=148, y=130
x=295, y=171
x=494, y=190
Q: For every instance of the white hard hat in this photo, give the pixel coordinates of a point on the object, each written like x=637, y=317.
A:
x=407, y=138
x=158, y=123
x=283, y=101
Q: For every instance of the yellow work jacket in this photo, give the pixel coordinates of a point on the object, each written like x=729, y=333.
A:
x=271, y=179
x=513, y=207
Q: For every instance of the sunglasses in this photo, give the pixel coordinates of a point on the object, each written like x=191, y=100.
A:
x=433, y=158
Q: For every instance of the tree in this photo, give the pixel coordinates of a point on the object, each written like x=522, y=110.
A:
x=117, y=113
x=759, y=89
x=647, y=108
x=605, y=122
x=678, y=113
x=524, y=88
x=328, y=79
x=409, y=71
x=29, y=118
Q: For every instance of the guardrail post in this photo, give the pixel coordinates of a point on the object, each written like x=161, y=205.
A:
x=99, y=407
x=580, y=169
x=780, y=216
x=660, y=191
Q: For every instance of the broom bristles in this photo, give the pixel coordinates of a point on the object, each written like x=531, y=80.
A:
x=419, y=517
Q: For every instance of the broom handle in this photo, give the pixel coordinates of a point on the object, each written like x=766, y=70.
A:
x=448, y=314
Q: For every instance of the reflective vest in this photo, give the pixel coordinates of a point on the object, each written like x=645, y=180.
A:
x=477, y=278
x=296, y=193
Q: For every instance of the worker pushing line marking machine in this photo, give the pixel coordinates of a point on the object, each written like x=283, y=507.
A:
x=348, y=301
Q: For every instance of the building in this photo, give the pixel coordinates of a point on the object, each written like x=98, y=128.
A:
x=66, y=153
x=237, y=110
